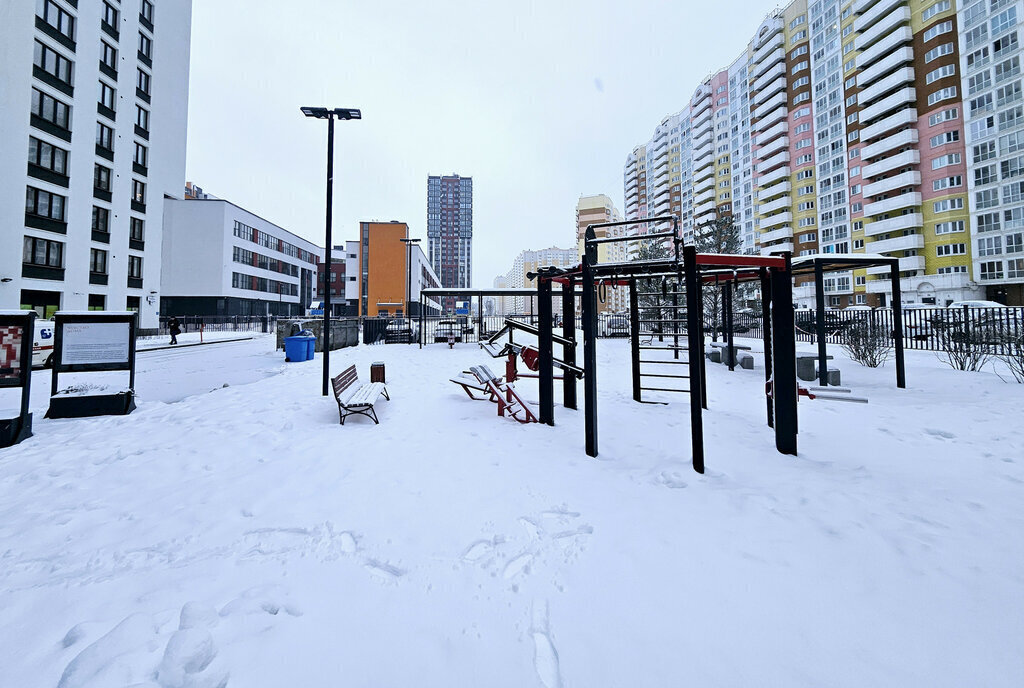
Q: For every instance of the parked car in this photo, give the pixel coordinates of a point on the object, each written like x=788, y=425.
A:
x=975, y=304
x=613, y=326
x=402, y=330
x=447, y=330
x=42, y=344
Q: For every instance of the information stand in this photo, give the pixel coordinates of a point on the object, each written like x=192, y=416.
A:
x=93, y=341
x=16, y=335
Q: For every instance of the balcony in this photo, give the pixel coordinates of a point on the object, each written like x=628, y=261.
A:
x=786, y=233
x=778, y=101
x=763, y=194
x=872, y=16
x=906, y=265
x=898, y=202
x=907, y=137
x=769, y=90
x=765, y=50
x=901, y=243
x=767, y=180
x=770, y=59
x=704, y=196
x=899, y=99
x=888, y=184
x=769, y=134
x=884, y=47
x=778, y=70
x=900, y=15
x=876, y=71
x=767, y=164
x=706, y=207
x=897, y=121
x=705, y=172
x=706, y=217
x=776, y=220
x=904, y=159
x=777, y=115
x=959, y=280
x=772, y=206
x=894, y=224
x=879, y=89
x=772, y=148
x=700, y=111
x=705, y=151
x=777, y=248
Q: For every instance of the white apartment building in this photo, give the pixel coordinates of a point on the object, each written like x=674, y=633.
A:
x=220, y=259
x=93, y=104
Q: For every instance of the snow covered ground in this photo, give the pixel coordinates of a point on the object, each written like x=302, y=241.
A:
x=237, y=535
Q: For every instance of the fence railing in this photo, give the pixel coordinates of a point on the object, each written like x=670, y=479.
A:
x=222, y=323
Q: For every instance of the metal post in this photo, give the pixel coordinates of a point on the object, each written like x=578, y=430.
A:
x=695, y=344
x=784, y=382
x=420, y=334
x=700, y=348
x=727, y=304
x=479, y=317
x=545, y=368
x=590, y=344
x=819, y=307
x=569, y=332
x=897, y=323
x=634, y=336
x=675, y=318
x=766, y=335
x=327, y=255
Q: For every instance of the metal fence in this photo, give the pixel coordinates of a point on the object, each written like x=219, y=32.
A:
x=221, y=323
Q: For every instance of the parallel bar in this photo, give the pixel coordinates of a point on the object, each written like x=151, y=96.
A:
x=695, y=336
x=731, y=260
x=639, y=221
x=637, y=237
x=819, y=303
x=634, y=337
x=678, y=377
x=665, y=389
x=665, y=348
x=644, y=360
x=569, y=352
x=545, y=367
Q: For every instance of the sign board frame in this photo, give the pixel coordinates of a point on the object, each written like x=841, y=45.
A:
x=14, y=430
x=121, y=403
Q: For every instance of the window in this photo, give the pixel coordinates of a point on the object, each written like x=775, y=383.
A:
x=108, y=96
x=938, y=51
x=50, y=109
x=983, y=127
x=1015, y=243
x=138, y=191
x=44, y=204
x=98, y=261
x=803, y=143
x=147, y=11
x=988, y=222
x=1015, y=268
x=53, y=63
x=976, y=36
x=803, y=64
x=986, y=198
x=145, y=46
x=942, y=94
x=104, y=136
x=1003, y=21
x=1005, y=45
x=138, y=229
x=101, y=178
x=48, y=156
x=932, y=10
x=143, y=82
x=1008, y=94
x=979, y=58
x=947, y=182
x=950, y=250
x=938, y=30
x=980, y=104
x=43, y=252
x=979, y=82
x=949, y=227
x=1011, y=143
x=1013, y=218
x=1012, y=167
x=110, y=15
x=54, y=15
x=990, y=246
x=135, y=267
x=141, y=155
x=1007, y=69
x=100, y=219
x=108, y=56
x=948, y=204
x=1013, y=193
x=940, y=73
x=1009, y=119
x=944, y=138
x=141, y=117
x=945, y=160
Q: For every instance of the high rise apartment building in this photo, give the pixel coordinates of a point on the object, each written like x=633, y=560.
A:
x=870, y=126
x=93, y=104
x=599, y=209
x=450, y=231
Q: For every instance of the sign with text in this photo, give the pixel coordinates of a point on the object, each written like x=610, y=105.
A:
x=12, y=338
x=96, y=343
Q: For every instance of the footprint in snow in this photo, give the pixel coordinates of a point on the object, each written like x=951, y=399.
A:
x=942, y=434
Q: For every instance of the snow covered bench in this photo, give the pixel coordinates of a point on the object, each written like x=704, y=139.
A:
x=355, y=398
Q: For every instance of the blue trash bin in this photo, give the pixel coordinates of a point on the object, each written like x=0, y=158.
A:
x=298, y=349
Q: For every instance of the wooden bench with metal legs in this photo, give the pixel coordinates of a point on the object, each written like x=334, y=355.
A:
x=354, y=398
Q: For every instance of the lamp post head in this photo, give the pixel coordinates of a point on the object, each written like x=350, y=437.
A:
x=325, y=113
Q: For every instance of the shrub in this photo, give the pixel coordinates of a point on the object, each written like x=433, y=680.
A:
x=867, y=343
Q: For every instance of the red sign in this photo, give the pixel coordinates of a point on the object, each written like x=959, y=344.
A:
x=11, y=340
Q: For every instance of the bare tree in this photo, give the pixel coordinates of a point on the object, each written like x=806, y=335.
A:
x=962, y=344
x=1014, y=357
x=867, y=343
x=721, y=235
x=652, y=306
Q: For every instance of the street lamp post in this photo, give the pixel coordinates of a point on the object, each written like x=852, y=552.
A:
x=329, y=115
x=409, y=243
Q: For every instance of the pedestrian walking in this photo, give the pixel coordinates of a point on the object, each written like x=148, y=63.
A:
x=175, y=328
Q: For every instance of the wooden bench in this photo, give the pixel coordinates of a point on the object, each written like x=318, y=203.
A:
x=354, y=397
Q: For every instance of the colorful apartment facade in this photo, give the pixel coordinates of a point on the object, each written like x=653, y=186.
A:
x=391, y=272
x=884, y=127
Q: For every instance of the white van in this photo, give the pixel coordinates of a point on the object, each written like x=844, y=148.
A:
x=42, y=343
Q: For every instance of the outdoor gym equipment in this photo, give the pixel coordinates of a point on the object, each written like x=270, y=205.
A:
x=528, y=353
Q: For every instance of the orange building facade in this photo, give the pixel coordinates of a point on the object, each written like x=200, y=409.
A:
x=385, y=280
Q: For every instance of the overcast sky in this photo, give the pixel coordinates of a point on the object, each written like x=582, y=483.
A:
x=540, y=102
